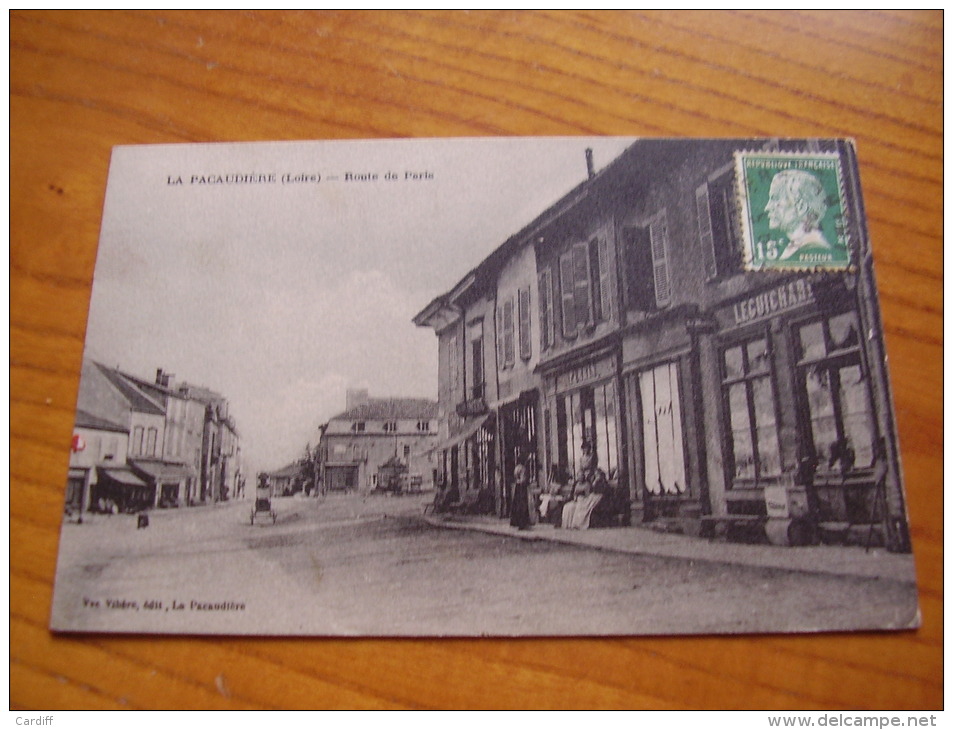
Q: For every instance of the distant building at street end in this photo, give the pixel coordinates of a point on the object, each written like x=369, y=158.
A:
x=373, y=431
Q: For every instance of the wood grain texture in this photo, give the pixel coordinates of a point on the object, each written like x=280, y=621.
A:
x=81, y=82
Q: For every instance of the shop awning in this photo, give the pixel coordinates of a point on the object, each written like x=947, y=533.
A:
x=467, y=433
x=122, y=476
x=163, y=471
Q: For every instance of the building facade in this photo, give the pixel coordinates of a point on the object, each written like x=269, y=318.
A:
x=373, y=431
x=179, y=447
x=711, y=394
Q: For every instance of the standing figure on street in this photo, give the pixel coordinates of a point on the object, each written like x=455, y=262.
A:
x=519, y=509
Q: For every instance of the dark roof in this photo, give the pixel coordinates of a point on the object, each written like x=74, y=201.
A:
x=292, y=470
x=383, y=409
x=85, y=419
x=505, y=249
x=138, y=400
x=198, y=392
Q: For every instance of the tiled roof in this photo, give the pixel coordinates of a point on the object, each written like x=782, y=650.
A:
x=85, y=419
x=384, y=409
x=138, y=400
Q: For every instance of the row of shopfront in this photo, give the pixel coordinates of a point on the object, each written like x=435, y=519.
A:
x=695, y=416
x=767, y=401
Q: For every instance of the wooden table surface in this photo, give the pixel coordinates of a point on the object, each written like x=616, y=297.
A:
x=82, y=82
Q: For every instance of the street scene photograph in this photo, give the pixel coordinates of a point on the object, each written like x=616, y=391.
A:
x=485, y=387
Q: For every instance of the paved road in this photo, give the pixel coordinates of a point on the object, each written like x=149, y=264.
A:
x=356, y=567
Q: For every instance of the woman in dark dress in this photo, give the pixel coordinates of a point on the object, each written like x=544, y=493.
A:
x=519, y=511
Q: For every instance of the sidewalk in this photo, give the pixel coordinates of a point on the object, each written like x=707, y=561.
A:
x=829, y=559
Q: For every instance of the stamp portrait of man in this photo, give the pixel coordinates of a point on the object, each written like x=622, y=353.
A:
x=796, y=205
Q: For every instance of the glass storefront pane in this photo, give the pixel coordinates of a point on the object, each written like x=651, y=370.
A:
x=577, y=431
x=612, y=434
x=743, y=454
x=812, y=342
x=763, y=402
x=758, y=356
x=738, y=407
x=734, y=363
x=599, y=406
x=858, y=425
x=844, y=331
x=650, y=432
x=823, y=425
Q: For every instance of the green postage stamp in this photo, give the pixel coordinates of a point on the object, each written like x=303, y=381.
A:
x=793, y=210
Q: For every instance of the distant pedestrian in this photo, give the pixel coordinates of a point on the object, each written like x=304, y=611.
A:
x=519, y=507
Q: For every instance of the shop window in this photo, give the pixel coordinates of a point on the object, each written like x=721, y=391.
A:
x=664, y=456
x=547, y=333
x=588, y=415
x=717, y=227
x=749, y=397
x=840, y=423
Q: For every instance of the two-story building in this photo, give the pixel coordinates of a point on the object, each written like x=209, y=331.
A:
x=180, y=447
x=372, y=431
x=710, y=390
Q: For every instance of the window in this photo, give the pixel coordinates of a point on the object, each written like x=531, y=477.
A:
x=423, y=425
x=526, y=343
x=585, y=291
x=506, y=336
x=406, y=452
x=646, y=265
x=475, y=336
x=453, y=365
x=749, y=398
x=658, y=234
x=151, y=436
x=137, y=434
x=358, y=426
x=547, y=333
x=662, y=430
x=390, y=426
x=833, y=382
x=717, y=228
x=588, y=414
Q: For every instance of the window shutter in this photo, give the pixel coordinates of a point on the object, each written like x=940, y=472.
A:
x=580, y=265
x=567, y=292
x=658, y=232
x=705, y=234
x=526, y=343
x=605, y=288
x=546, y=332
x=509, y=344
x=500, y=336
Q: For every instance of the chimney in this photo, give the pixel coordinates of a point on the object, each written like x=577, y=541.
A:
x=356, y=397
x=590, y=165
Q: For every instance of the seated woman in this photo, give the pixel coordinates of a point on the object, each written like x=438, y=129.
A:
x=591, y=487
x=554, y=496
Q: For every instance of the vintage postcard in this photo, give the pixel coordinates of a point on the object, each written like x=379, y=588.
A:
x=484, y=387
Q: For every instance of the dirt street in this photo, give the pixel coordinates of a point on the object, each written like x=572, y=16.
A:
x=351, y=566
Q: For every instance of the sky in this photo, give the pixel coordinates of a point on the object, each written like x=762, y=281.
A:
x=285, y=289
